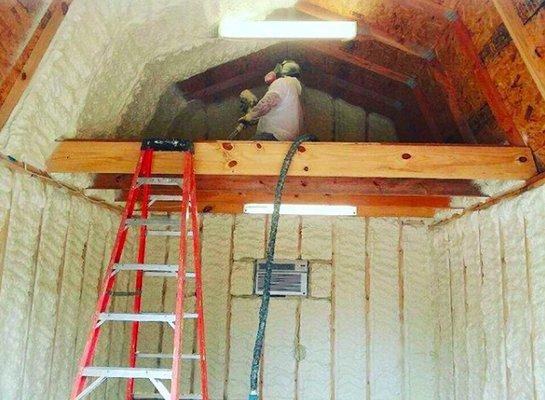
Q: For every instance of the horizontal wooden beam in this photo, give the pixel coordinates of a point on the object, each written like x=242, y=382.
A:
x=362, y=211
x=312, y=160
x=353, y=199
x=294, y=184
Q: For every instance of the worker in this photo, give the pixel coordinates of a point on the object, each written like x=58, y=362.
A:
x=279, y=112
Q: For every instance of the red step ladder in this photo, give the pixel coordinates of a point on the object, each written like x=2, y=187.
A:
x=141, y=183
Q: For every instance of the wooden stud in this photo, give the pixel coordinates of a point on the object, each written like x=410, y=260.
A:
x=526, y=44
x=16, y=82
x=313, y=159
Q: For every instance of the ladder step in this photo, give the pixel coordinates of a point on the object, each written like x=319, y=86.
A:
x=159, y=181
x=164, y=197
x=152, y=221
x=156, y=396
x=163, y=356
x=167, y=233
x=143, y=317
x=122, y=372
x=160, y=270
x=126, y=294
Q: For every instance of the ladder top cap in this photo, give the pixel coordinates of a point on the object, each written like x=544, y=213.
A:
x=159, y=144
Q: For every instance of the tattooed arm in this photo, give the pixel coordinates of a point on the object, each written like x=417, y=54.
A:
x=266, y=104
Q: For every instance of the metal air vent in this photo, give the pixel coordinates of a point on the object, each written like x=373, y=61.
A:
x=289, y=277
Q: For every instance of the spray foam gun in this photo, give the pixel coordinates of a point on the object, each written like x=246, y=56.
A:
x=248, y=100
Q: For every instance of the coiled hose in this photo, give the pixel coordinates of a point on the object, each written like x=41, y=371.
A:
x=264, y=309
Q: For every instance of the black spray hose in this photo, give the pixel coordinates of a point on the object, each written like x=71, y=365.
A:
x=264, y=309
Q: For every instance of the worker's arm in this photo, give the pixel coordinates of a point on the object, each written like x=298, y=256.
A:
x=266, y=104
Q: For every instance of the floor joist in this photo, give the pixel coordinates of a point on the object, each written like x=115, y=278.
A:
x=294, y=184
x=364, y=160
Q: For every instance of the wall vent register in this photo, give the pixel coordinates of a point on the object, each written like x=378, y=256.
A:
x=289, y=277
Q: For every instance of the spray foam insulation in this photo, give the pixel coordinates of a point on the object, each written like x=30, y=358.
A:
x=495, y=268
x=112, y=84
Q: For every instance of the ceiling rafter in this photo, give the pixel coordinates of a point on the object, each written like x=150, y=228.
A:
x=368, y=31
x=358, y=61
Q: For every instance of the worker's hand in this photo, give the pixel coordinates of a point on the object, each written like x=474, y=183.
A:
x=246, y=119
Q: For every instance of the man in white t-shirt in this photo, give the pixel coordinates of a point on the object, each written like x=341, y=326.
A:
x=279, y=112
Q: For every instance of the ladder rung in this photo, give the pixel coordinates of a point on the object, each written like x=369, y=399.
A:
x=167, y=356
x=167, y=233
x=161, y=270
x=120, y=372
x=143, y=317
x=147, y=267
x=152, y=221
x=164, y=197
x=126, y=294
x=159, y=181
x=156, y=396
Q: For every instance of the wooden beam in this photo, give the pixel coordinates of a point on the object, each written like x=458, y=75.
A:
x=354, y=199
x=362, y=211
x=424, y=107
x=490, y=91
x=442, y=77
x=16, y=82
x=527, y=45
x=312, y=159
x=532, y=183
x=360, y=62
x=367, y=30
x=267, y=184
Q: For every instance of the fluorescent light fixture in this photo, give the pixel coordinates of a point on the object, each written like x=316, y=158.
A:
x=234, y=29
x=301, y=209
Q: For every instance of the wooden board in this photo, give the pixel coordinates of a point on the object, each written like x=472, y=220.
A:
x=354, y=199
x=362, y=211
x=527, y=45
x=19, y=77
x=312, y=159
x=294, y=184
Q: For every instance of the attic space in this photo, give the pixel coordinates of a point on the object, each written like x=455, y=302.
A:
x=272, y=200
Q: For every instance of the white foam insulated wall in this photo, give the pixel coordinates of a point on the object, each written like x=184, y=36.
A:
x=366, y=330
x=53, y=247
x=490, y=269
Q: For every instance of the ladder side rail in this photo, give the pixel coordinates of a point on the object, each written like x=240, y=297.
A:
x=108, y=282
x=178, y=323
x=137, y=303
x=198, y=287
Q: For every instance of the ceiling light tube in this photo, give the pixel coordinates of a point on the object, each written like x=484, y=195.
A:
x=301, y=209
x=233, y=29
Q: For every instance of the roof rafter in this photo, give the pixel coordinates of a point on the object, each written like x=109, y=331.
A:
x=358, y=61
x=367, y=31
